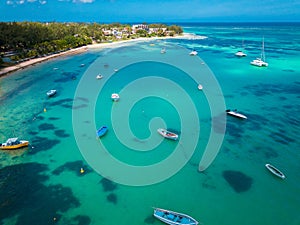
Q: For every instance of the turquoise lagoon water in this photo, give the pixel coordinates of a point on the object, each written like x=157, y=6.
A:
x=43, y=184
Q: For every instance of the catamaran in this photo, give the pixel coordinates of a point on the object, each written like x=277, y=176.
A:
x=261, y=62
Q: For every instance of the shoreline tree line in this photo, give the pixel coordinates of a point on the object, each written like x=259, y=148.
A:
x=27, y=40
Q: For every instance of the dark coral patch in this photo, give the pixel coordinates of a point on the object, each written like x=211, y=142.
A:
x=108, y=185
x=66, y=103
x=149, y=220
x=53, y=118
x=81, y=220
x=112, y=198
x=77, y=167
x=23, y=194
x=80, y=106
x=61, y=133
x=239, y=181
x=33, y=132
x=42, y=144
x=46, y=126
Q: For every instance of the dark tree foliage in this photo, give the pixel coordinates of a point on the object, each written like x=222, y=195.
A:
x=33, y=39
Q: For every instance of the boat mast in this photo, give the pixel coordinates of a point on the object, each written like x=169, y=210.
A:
x=263, y=50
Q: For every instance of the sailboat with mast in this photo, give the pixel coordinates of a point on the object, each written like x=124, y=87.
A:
x=261, y=62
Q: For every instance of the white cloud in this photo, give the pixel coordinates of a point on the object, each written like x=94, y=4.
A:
x=21, y=2
x=83, y=1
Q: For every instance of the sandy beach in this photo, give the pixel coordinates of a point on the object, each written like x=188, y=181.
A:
x=31, y=62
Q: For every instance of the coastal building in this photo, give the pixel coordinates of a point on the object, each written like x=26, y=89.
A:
x=157, y=30
x=137, y=27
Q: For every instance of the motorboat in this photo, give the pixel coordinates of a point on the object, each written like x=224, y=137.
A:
x=193, y=53
x=275, y=171
x=99, y=76
x=14, y=143
x=173, y=218
x=167, y=134
x=102, y=131
x=115, y=97
x=200, y=87
x=240, y=54
x=51, y=93
x=163, y=50
x=235, y=114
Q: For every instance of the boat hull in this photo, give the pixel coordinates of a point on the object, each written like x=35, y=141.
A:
x=167, y=134
x=51, y=93
x=102, y=131
x=236, y=114
x=115, y=97
x=173, y=218
x=22, y=144
x=275, y=171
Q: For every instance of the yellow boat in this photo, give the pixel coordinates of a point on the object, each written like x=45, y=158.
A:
x=14, y=143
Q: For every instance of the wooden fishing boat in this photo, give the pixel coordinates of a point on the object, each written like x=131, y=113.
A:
x=167, y=134
x=275, y=171
x=14, y=143
x=102, y=131
x=173, y=218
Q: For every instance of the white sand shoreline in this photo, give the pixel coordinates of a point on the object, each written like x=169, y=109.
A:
x=115, y=44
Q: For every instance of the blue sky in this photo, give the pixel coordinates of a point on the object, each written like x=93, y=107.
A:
x=150, y=10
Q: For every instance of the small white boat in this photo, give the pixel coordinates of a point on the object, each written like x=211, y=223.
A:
x=275, y=171
x=99, y=76
x=13, y=143
x=167, y=134
x=200, y=87
x=51, y=93
x=163, y=50
x=173, y=218
x=115, y=97
x=235, y=114
x=260, y=62
x=193, y=53
x=240, y=54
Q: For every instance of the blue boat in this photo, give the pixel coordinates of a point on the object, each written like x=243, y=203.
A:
x=102, y=131
x=173, y=218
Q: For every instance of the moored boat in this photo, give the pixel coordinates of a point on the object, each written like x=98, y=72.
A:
x=260, y=62
x=167, y=134
x=102, y=131
x=200, y=87
x=99, y=76
x=51, y=93
x=275, y=171
x=173, y=218
x=240, y=54
x=115, y=97
x=14, y=143
x=193, y=53
x=235, y=114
